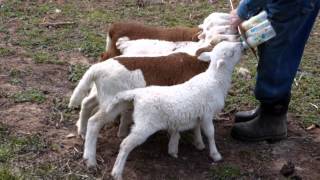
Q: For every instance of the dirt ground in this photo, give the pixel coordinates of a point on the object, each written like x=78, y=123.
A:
x=36, y=127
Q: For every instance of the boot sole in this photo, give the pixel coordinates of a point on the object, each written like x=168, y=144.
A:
x=270, y=139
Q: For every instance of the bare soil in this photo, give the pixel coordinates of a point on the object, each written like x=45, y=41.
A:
x=52, y=122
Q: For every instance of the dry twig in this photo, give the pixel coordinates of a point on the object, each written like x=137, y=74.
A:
x=57, y=24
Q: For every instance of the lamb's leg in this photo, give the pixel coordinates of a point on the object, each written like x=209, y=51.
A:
x=208, y=128
x=197, y=138
x=87, y=107
x=95, y=123
x=173, y=143
x=125, y=122
x=136, y=137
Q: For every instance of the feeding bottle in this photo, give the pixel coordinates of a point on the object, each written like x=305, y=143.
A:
x=259, y=37
x=253, y=21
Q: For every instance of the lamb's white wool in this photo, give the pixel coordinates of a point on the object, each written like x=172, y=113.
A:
x=153, y=47
x=215, y=18
x=108, y=42
x=216, y=23
x=109, y=72
x=148, y=47
x=174, y=108
x=113, y=78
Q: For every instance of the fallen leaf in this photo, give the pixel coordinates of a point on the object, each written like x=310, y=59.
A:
x=313, y=126
x=71, y=135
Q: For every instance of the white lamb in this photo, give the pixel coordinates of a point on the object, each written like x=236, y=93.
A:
x=145, y=48
x=111, y=77
x=173, y=108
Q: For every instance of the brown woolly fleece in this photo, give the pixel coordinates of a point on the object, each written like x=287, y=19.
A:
x=135, y=30
x=165, y=70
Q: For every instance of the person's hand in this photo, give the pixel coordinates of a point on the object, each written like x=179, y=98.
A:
x=235, y=20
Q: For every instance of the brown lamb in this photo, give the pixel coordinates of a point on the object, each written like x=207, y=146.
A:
x=165, y=70
x=135, y=30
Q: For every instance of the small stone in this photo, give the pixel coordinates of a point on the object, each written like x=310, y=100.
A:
x=57, y=10
x=287, y=169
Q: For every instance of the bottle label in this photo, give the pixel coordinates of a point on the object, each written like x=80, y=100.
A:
x=261, y=36
x=262, y=26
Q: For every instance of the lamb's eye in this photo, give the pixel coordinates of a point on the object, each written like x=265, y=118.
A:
x=228, y=53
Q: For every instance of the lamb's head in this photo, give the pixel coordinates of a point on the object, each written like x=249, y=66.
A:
x=225, y=54
x=215, y=28
x=215, y=19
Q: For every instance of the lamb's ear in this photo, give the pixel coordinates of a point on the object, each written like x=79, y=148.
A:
x=220, y=63
x=205, y=56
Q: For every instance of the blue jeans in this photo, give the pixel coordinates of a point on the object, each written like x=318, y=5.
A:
x=280, y=57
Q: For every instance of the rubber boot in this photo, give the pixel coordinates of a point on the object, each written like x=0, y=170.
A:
x=270, y=125
x=244, y=116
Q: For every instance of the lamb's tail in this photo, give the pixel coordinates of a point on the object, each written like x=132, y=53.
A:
x=121, y=102
x=108, y=42
x=83, y=88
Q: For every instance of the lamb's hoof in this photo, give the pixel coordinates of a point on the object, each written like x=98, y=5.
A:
x=216, y=157
x=81, y=131
x=174, y=155
x=199, y=146
x=116, y=175
x=122, y=134
x=82, y=135
x=70, y=105
x=90, y=162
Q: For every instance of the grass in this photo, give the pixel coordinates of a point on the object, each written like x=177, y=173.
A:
x=13, y=147
x=93, y=44
x=16, y=75
x=60, y=108
x=76, y=72
x=31, y=95
x=225, y=171
x=4, y=52
x=45, y=57
x=6, y=174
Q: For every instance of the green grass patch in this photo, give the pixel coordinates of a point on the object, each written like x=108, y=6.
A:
x=15, y=76
x=4, y=52
x=11, y=147
x=103, y=16
x=32, y=95
x=45, y=57
x=93, y=44
x=60, y=107
x=15, y=73
x=14, y=145
x=6, y=174
x=223, y=172
x=15, y=81
x=76, y=72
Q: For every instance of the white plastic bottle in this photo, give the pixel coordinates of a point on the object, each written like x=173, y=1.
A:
x=254, y=30
x=259, y=37
x=253, y=21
